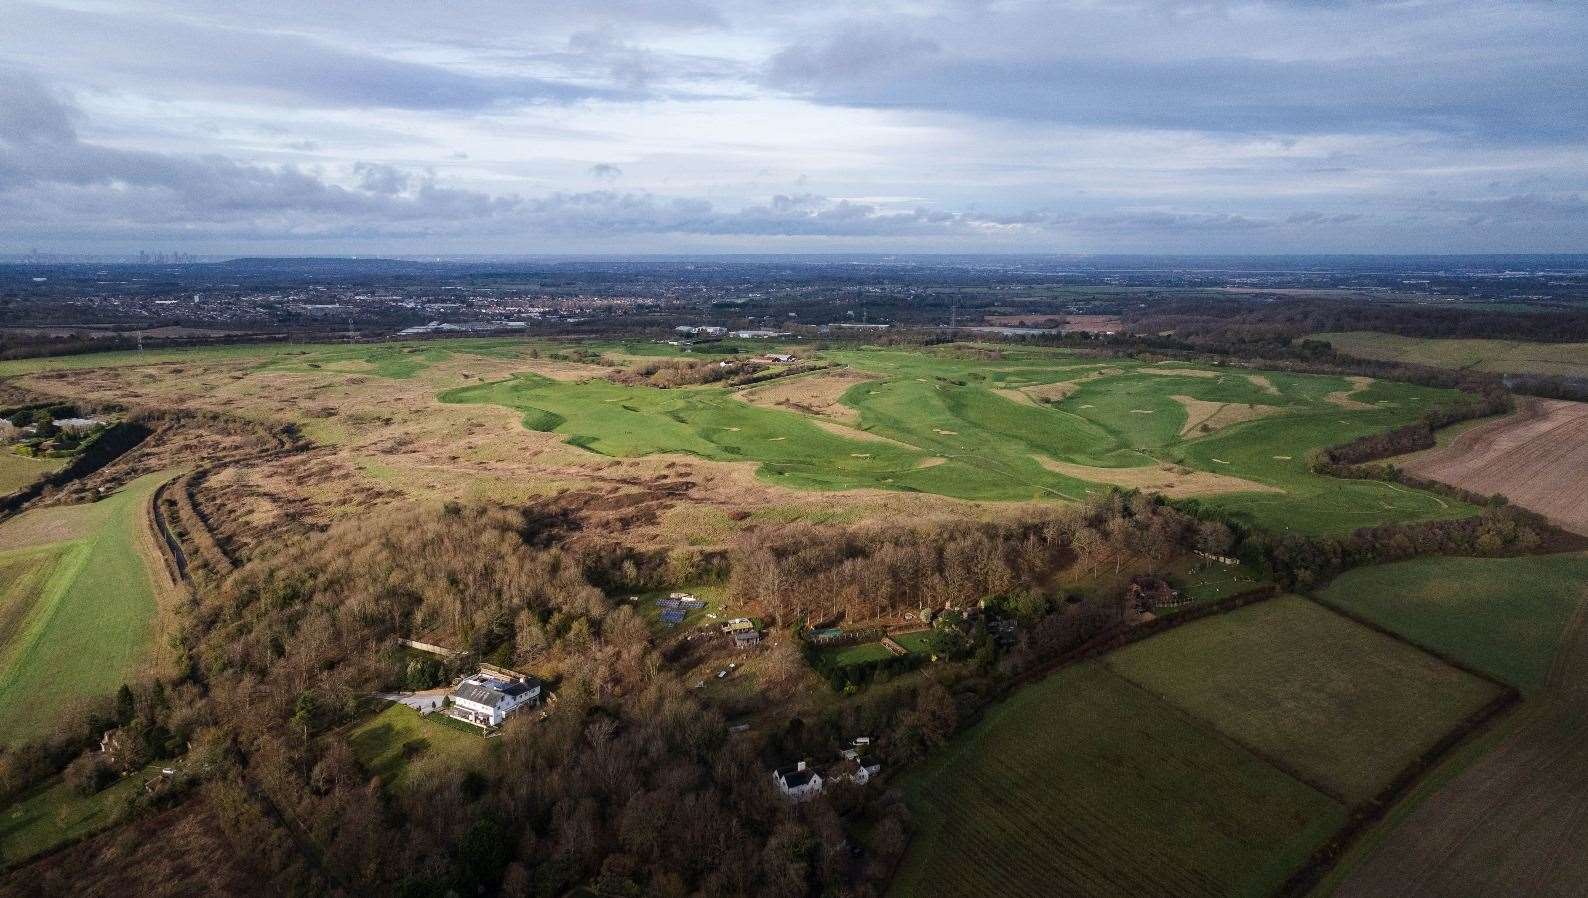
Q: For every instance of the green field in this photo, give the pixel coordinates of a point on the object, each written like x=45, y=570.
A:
x=1503, y=616
x=400, y=746
x=77, y=606
x=960, y=427
x=1498, y=356
x=1086, y=785
x=17, y=471
x=1345, y=707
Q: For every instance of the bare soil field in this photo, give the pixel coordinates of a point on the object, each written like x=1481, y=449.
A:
x=1537, y=457
x=1512, y=823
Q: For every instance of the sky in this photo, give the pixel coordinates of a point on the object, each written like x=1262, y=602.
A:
x=654, y=126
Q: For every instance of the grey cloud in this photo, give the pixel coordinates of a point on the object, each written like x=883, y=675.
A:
x=605, y=171
x=226, y=61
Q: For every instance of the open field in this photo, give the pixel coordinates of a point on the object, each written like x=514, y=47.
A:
x=1084, y=784
x=1507, y=823
x=78, y=605
x=1503, y=616
x=1537, y=457
x=1498, y=356
x=17, y=471
x=400, y=746
x=914, y=432
x=1308, y=688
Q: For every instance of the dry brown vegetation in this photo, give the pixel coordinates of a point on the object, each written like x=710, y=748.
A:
x=1536, y=457
x=813, y=394
x=1203, y=416
x=1171, y=481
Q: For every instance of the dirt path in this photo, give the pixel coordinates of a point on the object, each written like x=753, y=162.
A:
x=1515, y=822
x=1537, y=457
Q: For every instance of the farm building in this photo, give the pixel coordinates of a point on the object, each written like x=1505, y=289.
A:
x=743, y=632
x=486, y=700
x=798, y=783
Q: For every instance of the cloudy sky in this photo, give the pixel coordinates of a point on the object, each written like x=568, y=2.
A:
x=477, y=126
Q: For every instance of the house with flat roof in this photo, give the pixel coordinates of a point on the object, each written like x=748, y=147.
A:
x=486, y=700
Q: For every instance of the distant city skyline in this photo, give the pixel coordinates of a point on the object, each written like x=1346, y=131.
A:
x=697, y=126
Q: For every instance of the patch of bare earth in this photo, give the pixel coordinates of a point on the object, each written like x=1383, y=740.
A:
x=1514, y=822
x=1180, y=372
x=813, y=394
x=1172, y=482
x=1537, y=457
x=1343, y=399
x=1203, y=416
x=1263, y=383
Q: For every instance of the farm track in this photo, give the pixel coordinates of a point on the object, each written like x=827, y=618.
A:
x=1513, y=823
x=1537, y=457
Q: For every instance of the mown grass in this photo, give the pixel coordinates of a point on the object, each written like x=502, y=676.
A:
x=1084, y=784
x=1503, y=616
x=86, y=626
x=402, y=747
x=17, y=471
x=1344, y=706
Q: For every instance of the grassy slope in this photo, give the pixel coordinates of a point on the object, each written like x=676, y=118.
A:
x=400, y=746
x=88, y=629
x=1083, y=784
x=1503, y=616
x=18, y=471
x=55, y=813
x=1345, y=706
x=1482, y=355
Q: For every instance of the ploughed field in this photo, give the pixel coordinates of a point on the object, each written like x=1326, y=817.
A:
x=78, y=606
x=1504, y=817
x=1496, y=356
x=1536, y=457
x=1209, y=760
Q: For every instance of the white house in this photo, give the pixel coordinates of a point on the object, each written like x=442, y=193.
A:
x=485, y=700
x=798, y=783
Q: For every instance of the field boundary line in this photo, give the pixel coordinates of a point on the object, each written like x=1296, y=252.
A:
x=1375, y=626
x=1202, y=723
x=1362, y=818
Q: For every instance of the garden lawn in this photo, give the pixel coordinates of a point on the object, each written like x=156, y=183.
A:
x=1503, y=616
x=55, y=812
x=85, y=622
x=1342, y=705
x=1083, y=784
x=401, y=747
x=17, y=471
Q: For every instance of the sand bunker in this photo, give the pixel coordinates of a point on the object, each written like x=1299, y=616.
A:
x=1159, y=479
